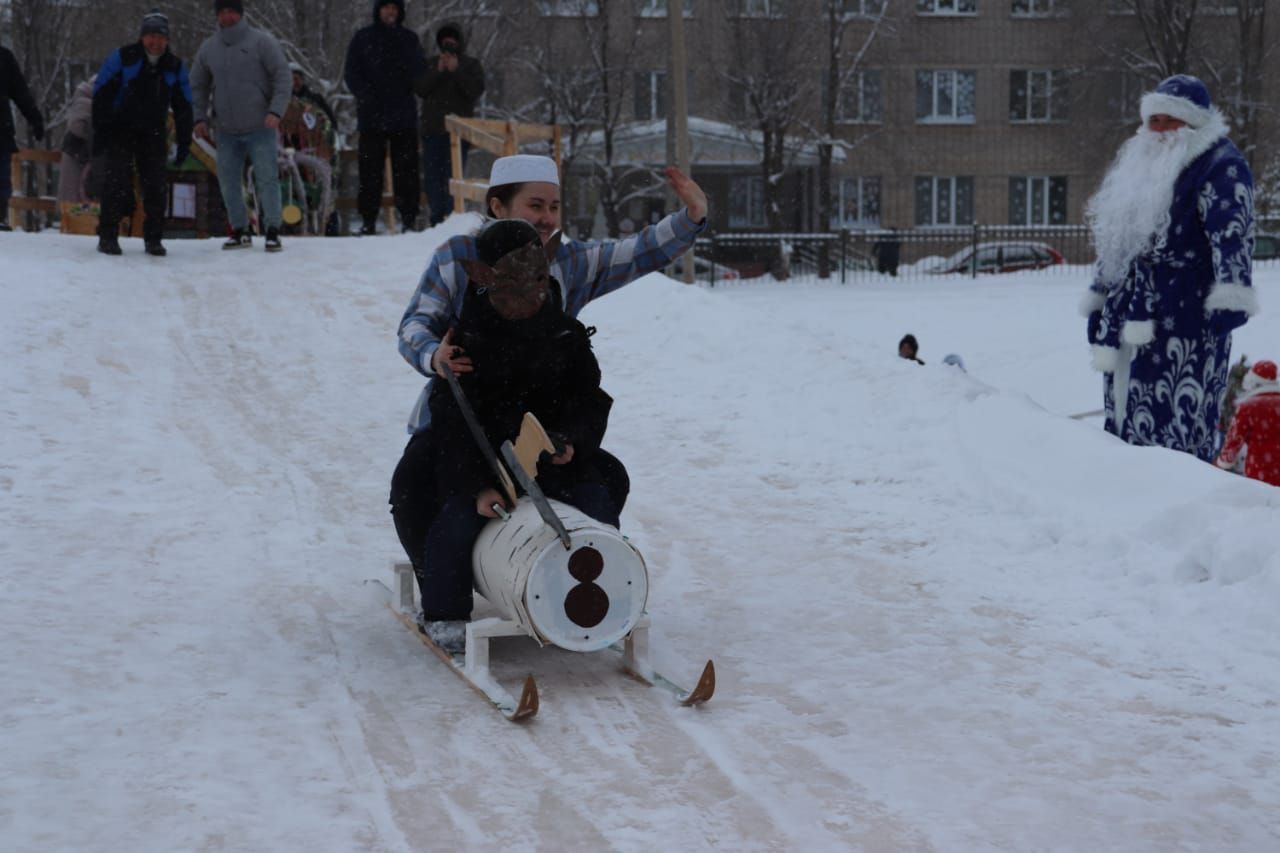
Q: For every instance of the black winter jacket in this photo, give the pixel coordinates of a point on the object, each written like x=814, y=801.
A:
x=132, y=97
x=445, y=92
x=13, y=87
x=382, y=64
x=543, y=365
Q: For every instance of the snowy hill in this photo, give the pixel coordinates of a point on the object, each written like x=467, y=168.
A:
x=945, y=615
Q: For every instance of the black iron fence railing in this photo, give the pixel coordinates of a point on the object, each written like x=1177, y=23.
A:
x=917, y=252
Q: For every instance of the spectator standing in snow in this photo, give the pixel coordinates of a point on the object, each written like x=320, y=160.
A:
x=13, y=87
x=245, y=72
x=77, y=146
x=452, y=84
x=520, y=187
x=1173, y=227
x=133, y=93
x=529, y=356
x=909, y=348
x=1256, y=426
x=383, y=61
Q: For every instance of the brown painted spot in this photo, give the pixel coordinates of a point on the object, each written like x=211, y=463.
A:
x=586, y=605
x=586, y=564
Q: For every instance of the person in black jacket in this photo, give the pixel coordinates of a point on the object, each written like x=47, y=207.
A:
x=453, y=83
x=133, y=93
x=383, y=60
x=530, y=357
x=13, y=87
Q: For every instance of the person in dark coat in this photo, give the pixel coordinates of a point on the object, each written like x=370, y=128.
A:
x=13, y=88
x=383, y=61
x=530, y=357
x=133, y=93
x=452, y=84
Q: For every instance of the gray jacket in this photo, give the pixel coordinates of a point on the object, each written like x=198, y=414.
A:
x=249, y=77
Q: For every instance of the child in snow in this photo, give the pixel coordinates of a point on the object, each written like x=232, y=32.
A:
x=1256, y=425
x=529, y=356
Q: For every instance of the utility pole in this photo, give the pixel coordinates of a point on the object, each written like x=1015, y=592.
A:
x=678, y=114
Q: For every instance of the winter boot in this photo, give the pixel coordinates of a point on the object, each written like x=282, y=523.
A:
x=241, y=239
x=273, y=239
x=109, y=245
x=449, y=634
x=368, y=229
x=156, y=248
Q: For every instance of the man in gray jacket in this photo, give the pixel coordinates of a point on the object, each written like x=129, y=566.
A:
x=251, y=87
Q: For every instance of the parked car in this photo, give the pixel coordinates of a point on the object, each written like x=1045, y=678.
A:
x=1266, y=247
x=1005, y=256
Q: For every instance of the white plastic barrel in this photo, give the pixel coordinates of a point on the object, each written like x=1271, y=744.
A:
x=583, y=599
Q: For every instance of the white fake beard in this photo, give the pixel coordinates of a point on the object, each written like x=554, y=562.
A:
x=1129, y=213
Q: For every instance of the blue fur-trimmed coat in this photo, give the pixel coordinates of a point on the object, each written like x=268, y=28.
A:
x=1162, y=335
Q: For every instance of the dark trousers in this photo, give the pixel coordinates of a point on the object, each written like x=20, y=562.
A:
x=6, y=184
x=446, y=580
x=404, y=172
x=437, y=168
x=147, y=153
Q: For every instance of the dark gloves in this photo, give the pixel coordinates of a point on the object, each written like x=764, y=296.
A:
x=1094, y=326
x=76, y=147
x=1224, y=322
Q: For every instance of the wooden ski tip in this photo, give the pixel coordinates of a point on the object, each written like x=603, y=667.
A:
x=705, y=689
x=528, y=704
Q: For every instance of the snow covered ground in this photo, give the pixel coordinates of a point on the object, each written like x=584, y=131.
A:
x=945, y=615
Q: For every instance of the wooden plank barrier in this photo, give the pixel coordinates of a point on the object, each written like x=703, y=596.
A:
x=20, y=202
x=503, y=138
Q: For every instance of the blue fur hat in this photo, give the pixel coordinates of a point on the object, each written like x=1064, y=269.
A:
x=1181, y=96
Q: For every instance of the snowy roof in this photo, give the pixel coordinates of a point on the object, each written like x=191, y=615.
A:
x=712, y=143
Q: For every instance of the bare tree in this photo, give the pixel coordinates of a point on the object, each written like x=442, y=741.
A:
x=1167, y=28
x=843, y=78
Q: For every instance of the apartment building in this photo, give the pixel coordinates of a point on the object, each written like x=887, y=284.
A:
x=961, y=111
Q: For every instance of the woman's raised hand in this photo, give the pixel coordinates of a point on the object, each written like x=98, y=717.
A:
x=688, y=192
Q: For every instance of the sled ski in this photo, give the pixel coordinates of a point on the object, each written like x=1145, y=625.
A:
x=635, y=663
x=472, y=666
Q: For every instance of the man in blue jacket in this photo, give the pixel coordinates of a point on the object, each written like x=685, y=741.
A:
x=383, y=60
x=133, y=93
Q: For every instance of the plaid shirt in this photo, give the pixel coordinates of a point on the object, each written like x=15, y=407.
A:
x=585, y=271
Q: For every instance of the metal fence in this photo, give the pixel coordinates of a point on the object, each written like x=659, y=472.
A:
x=908, y=253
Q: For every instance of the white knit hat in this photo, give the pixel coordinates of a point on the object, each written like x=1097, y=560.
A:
x=522, y=168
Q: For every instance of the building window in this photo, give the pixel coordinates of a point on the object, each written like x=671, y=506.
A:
x=862, y=8
x=746, y=202
x=1038, y=8
x=946, y=97
x=946, y=7
x=658, y=9
x=182, y=201
x=569, y=8
x=761, y=8
x=862, y=99
x=1038, y=200
x=944, y=201
x=651, y=95
x=855, y=203
x=1037, y=96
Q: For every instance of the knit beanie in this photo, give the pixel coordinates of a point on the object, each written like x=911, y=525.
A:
x=155, y=22
x=234, y=5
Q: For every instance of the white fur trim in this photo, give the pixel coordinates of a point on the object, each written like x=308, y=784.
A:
x=1138, y=332
x=1105, y=359
x=1092, y=301
x=1158, y=103
x=1205, y=137
x=1232, y=297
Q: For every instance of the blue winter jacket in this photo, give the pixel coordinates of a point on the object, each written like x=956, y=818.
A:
x=132, y=96
x=382, y=63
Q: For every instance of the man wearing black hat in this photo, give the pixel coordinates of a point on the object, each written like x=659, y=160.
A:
x=13, y=87
x=133, y=93
x=241, y=83
x=383, y=60
x=453, y=84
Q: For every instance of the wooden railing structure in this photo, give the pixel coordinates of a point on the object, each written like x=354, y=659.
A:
x=20, y=202
x=497, y=137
